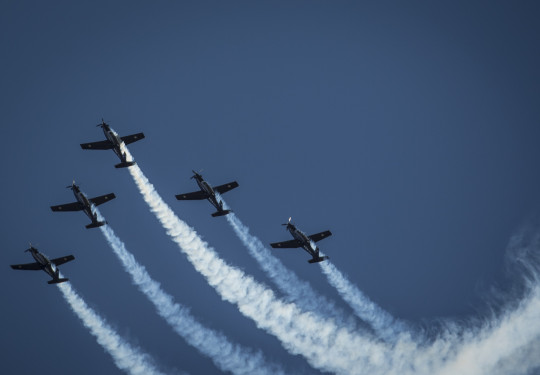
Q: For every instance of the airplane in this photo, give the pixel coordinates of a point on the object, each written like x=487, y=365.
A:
x=43, y=263
x=85, y=204
x=209, y=192
x=303, y=241
x=114, y=142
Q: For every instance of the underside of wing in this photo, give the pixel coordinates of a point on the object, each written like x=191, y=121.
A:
x=28, y=266
x=102, y=199
x=320, y=236
x=101, y=145
x=62, y=260
x=132, y=138
x=75, y=206
x=196, y=195
x=286, y=244
x=226, y=187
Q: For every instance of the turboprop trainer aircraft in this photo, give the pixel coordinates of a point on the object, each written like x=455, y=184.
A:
x=85, y=204
x=43, y=263
x=114, y=142
x=208, y=192
x=303, y=241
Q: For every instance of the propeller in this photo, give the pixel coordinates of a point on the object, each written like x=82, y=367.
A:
x=31, y=247
x=102, y=123
x=286, y=224
x=70, y=186
x=196, y=173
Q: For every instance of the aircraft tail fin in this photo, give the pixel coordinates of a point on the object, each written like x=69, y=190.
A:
x=221, y=213
x=125, y=164
x=57, y=281
x=96, y=224
x=319, y=259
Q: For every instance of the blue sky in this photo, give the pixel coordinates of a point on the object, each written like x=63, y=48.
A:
x=410, y=130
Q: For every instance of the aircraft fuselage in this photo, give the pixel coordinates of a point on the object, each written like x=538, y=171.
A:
x=205, y=186
x=45, y=263
x=82, y=199
x=115, y=140
x=306, y=242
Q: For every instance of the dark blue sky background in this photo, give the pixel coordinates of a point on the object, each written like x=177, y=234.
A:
x=409, y=129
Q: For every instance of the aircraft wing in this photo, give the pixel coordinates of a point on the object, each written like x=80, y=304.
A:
x=196, y=195
x=101, y=145
x=320, y=236
x=62, y=260
x=287, y=244
x=75, y=206
x=28, y=266
x=102, y=199
x=226, y=187
x=132, y=138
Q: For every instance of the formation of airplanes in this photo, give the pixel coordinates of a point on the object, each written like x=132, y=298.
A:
x=206, y=191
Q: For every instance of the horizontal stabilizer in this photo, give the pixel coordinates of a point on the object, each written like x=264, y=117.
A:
x=319, y=259
x=97, y=224
x=125, y=164
x=57, y=281
x=221, y=213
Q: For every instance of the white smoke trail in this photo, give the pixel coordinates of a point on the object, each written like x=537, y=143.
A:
x=477, y=352
x=384, y=324
x=511, y=334
x=286, y=280
x=303, y=294
x=324, y=344
x=509, y=344
x=126, y=357
x=224, y=354
x=335, y=349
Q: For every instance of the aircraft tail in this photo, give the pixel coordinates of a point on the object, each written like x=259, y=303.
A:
x=96, y=224
x=319, y=259
x=57, y=281
x=221, y=213
x=125, y=164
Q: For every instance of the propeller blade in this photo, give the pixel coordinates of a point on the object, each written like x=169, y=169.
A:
x=195, y=174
